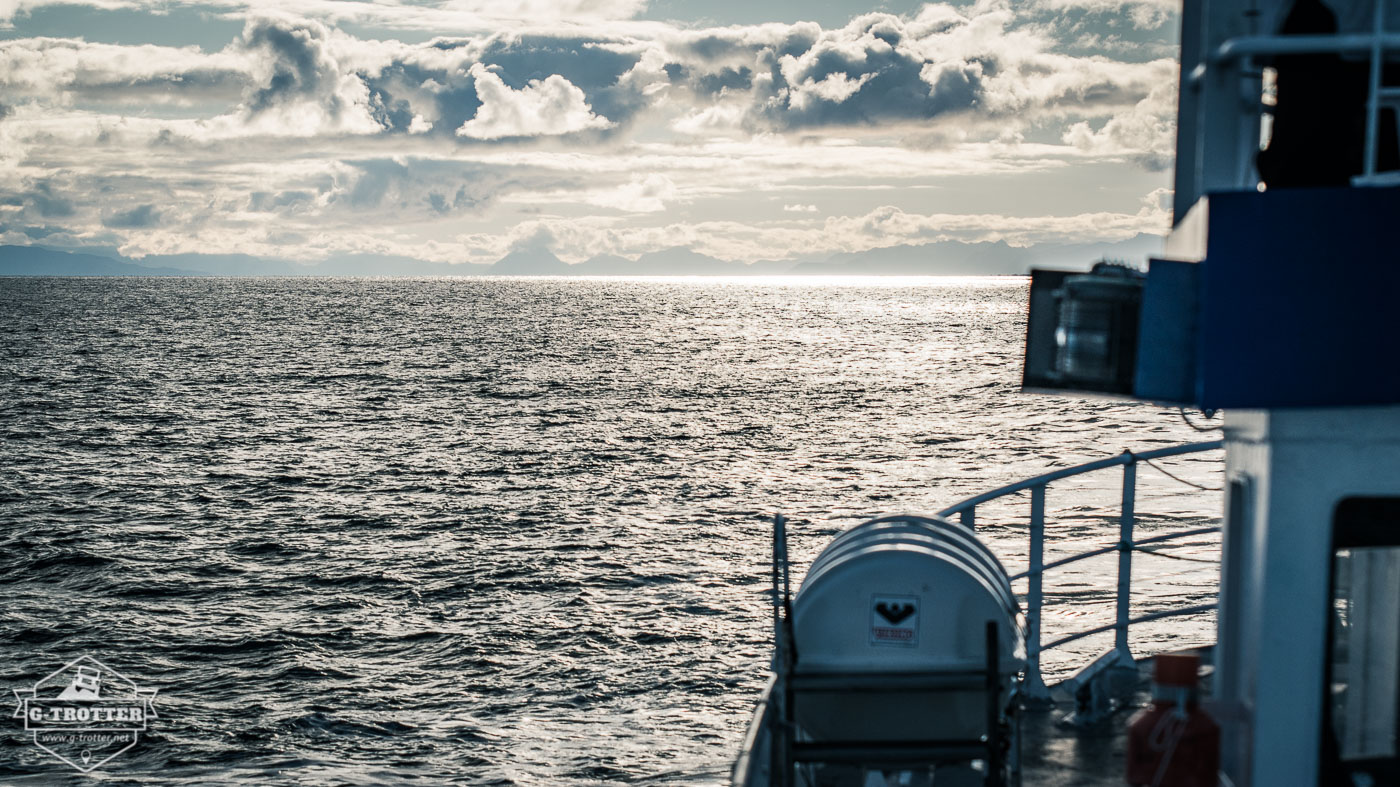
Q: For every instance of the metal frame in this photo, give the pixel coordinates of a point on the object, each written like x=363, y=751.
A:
x=1220, y=102
x=1033, y=688
x=786, y=750
x=989, y=748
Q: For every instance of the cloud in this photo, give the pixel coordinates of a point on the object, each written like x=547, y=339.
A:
x=1144, y=134
x=641, y=195
x=464, y=15
x=967, y=68
x=548, y=107
x=49, y=203
x=315, y=132
x=884, y=226
x=66, y=70
x=299, y=88
x=1144, y=14
x=138, y=217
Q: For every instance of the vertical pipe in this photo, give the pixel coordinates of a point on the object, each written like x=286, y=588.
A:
x=777, y=582
x=995, y=764
x=969, y=517
x=1373, y=94
x=1125, y=560
x=778, y=766
x=1034, y=687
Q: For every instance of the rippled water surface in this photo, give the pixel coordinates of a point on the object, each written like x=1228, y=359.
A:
x=506, y=531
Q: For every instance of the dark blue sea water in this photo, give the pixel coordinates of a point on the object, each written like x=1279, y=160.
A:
x=487, y=531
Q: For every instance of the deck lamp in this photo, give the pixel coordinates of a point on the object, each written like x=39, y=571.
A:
x=1083, y=329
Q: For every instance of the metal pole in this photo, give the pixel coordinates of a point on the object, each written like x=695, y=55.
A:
x=969, y=517
x=779, y=768
x=995, y=764
x=1373, y=97
x=1034, y=689
x=1125, y=564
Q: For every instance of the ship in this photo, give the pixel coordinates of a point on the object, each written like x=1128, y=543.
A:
x=909, y=655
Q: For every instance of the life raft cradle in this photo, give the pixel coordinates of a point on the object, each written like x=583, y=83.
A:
x=996, y=748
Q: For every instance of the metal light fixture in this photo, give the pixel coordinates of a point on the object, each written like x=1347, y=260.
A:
x=1082, y=332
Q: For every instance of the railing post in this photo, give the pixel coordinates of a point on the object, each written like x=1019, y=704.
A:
x=1125, y=563
x=1033, y=688
x=1373, y=93
x=968, y=517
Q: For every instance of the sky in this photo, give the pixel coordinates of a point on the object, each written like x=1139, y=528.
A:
x=460, y=130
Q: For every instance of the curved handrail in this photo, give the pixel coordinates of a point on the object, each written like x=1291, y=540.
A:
x=1200, y=531
x=1033, y=686
x=1125, y=458
x=1166, y=613
x=1345, y=43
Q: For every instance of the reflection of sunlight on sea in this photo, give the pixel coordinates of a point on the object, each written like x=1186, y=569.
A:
x=368, y=530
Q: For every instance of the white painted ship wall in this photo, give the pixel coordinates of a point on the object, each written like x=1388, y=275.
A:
x=1287, y=471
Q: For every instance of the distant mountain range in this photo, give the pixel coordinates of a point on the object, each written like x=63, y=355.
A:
x=949, y=258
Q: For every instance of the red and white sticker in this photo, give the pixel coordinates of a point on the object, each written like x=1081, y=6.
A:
x=894, y=620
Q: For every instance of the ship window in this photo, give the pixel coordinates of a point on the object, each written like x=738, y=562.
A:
x=1363, y=703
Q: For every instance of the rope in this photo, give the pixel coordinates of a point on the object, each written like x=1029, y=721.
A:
x=1169, y=474
x=1160, y=553
x=1191, y=424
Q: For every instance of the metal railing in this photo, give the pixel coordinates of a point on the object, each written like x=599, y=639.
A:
x=1034, y=687
x=1219, y=117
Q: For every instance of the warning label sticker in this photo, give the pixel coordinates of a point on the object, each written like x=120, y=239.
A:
x=894, y=620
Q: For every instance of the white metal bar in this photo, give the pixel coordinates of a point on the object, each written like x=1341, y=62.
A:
x=1064, y=561
x=1034, y=686
x=1125, y=562
x=1252, y=46
x=1166, y=613
x=1373, y=99
x=1088, y=467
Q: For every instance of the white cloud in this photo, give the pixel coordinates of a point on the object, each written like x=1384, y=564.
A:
x=1144, y=14
x=641, y=195
x=286, y=139
x=548, y=107
x=299, y=88
x=456, y=15
x=1145, y=133
x=834, y=88
x=578, y=239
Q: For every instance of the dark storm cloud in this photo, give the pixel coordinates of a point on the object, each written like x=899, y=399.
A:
x=49, y=203
x=887, y=71
x=873, y=71
x=419, y=185
x=586, y=65
x=893, y=84
x=140, y=217
x=296, y=62
x=713, y=46
x=403, y=88
x=740, y=78
x=300, y=77
x=443, y=91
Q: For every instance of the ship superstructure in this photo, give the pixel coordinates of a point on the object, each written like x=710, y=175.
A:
x=1272, y=302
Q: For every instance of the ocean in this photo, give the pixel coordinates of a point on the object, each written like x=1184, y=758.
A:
x=509, y=531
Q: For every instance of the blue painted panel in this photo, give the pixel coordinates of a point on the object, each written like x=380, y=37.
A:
x=1300, y=299
x=1166, y=356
